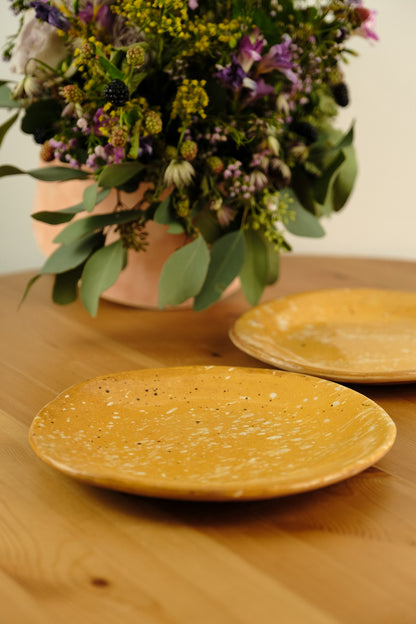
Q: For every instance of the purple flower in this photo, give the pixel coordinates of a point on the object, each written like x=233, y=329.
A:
x=233, y=75
x=193, y=4
x=104, y=16
x=279, y=57
x=145, y=146
x=260, y=89
x=249, y=49
x=50, y=14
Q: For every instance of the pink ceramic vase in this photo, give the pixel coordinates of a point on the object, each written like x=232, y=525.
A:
x=138, y=283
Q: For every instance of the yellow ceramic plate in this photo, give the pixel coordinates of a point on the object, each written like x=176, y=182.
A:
x=211, y=433
x=352, y=335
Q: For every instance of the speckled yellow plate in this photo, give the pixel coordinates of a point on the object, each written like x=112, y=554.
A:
x=352, y=335
x=211, y=433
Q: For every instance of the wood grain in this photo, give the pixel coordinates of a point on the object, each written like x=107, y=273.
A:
x=68, y=552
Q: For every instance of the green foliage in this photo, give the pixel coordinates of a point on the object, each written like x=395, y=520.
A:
x=4, y=128
x=100, y=272
x=5, y=98
x=117, y=175
x=299, y=221
x=67, y=257
x=183, y=273
x=227, y=259
x=255, y=272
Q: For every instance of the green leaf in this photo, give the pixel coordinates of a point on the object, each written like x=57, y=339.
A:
x=8, y=170
x=100, y=272
x=183, y=273
x=323, y=184
x=29, y=285
x=52, y=217
x=227, y=258
x=89, y=197
x=4, y=128
x=345, y=180
x=176, y=228
x=255, y=271
x=304, y=223
x=163, y=213
x=81, y=227
x=111, y=69
x=101, y=195
x=117, y=175
x=65, y=288
x=5, y=98
x=57, y=174
x=273, y=264
x=68, y=257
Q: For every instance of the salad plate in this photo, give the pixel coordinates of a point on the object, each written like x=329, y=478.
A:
x=351, y=335
x=211, y=433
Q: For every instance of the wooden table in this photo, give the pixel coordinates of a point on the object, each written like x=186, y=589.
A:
x=73, y=553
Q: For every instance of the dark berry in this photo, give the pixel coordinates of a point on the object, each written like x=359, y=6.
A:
x=340, y=93
x=43, y=134
x=116, y=92
x=306, y=130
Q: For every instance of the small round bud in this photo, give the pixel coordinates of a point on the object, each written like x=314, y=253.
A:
x=47, y=152
x=189, y=150
x=136, y=55
x=72, y=93
x=171, y=152
x=153, y=122
x=119, y=137
x=215, y=164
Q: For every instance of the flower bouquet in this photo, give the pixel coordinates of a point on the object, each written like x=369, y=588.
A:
x=225, y=110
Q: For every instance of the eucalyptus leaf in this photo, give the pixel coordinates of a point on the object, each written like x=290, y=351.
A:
x=345, y=180
x=117, y=174
x=65, y=287
x=101, y=195
x=183, y=273
x=100, y=272
x=227, y=259
x=163, y=213
x=5, y=98
x=273, y=263
x=57, y=174
x=176, y=228
x=29, y=285
x=255, y=271
x=304, y=223
x=81, y=227
x=89, y=197
x=8, y=170
x=68, y=257
x=322, y=185
x=4, y=128
x=52, y=217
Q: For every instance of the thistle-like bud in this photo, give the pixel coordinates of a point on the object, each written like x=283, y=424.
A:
x=153, y=122
x=47, y=152
x=119, y=137
x=279, y=173
x=182, y=206
x=215, y=164
x=72, y=93
x=136, y=55
x=179, y=173
x=189, y=150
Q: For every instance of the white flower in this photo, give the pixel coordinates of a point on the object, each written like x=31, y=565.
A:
x=36, y=41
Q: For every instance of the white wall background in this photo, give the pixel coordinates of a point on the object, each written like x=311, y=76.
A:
x=379, y=220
